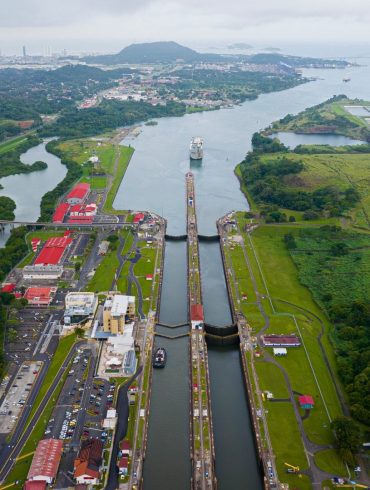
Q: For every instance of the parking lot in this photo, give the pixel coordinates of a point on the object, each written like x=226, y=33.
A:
x=29, y=323
x=17, y=395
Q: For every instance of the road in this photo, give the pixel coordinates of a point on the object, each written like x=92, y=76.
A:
x=23, y=431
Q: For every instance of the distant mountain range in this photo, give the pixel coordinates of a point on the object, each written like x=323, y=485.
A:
x=171, y=52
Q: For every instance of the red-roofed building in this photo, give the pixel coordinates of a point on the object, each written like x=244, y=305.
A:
x=196, y=315
x=149, y=277
x=40, y=296
x=125, y=447
x=53, y=251
x=83, y=210
x=138, y=218
x=8, y=288
x=35, y=485
x=87, y=464
x=60, y=212
x=275, y=340
x=123, y=465
x=306, y=402
x=79, y=193
x=46, y=460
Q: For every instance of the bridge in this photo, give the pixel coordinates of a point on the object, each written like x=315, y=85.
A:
x=48, y=224
x=201, y=238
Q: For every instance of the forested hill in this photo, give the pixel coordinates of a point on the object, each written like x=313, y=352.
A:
x=170, y=52
x=158, y=52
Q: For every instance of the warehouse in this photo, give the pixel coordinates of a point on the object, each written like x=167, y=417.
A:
x=46, y=461
x=53, y=250
x=60, y=212
x=42, y=272
x=78, y=194
x=275, y=340
x=40, y=296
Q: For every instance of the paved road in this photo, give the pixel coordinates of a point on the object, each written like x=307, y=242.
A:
x=123, y=411
x=21, y=434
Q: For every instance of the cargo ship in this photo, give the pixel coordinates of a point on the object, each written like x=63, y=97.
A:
x=160, y=358
x=196, y=148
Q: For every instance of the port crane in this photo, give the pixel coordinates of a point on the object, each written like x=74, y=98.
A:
x=295, y=469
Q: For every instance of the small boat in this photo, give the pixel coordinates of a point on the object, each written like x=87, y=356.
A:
x=160, y=358
x=346, y=79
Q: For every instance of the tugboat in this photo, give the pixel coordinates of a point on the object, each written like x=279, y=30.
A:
x=160, y=358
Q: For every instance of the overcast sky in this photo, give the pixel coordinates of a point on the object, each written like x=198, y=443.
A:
x=109, y=25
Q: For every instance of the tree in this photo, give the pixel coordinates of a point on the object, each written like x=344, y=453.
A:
x=80, y=332
x=348, y=438
x=77, y=266
x=339, y=249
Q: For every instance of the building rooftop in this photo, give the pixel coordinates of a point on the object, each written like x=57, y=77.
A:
x=46, y=459
x=79, y=191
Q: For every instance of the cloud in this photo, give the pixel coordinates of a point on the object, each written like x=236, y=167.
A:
x=40, y=13
x=95, y=23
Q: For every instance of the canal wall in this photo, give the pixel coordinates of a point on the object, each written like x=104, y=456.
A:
x=151, y=340
x=247, y=381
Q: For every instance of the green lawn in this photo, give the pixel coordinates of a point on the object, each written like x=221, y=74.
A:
x=104, y=275
x=339, y=170
x=10, y=145
x=125, y=154
x=328, y=460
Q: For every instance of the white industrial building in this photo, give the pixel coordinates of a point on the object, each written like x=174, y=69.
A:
x=42, y=272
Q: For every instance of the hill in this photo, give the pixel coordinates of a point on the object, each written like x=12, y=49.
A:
x=157, y=52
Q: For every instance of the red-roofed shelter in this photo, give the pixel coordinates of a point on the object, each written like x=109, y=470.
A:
x=306, y=402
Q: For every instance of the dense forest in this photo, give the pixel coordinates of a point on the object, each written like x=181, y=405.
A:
x=11, y=164
x=110, y=114
x=335, y=265
x=7, y=207
x=25, y=94
x=74, y=172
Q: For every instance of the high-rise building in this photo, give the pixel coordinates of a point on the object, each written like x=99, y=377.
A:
x=24, y=51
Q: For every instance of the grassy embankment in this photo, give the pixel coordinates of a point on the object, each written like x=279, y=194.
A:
x=21, y=467
x=307, y=371
x=113, y=162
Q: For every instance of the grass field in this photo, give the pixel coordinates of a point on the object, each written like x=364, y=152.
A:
x=276, y=276
x=82, y=149
x=10, y=145
x=340, y=170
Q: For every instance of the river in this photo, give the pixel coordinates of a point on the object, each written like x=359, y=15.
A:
x=26, y=190
x=155, y=180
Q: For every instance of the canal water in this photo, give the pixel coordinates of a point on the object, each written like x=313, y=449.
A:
x=27, y=189
x=155, y=180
